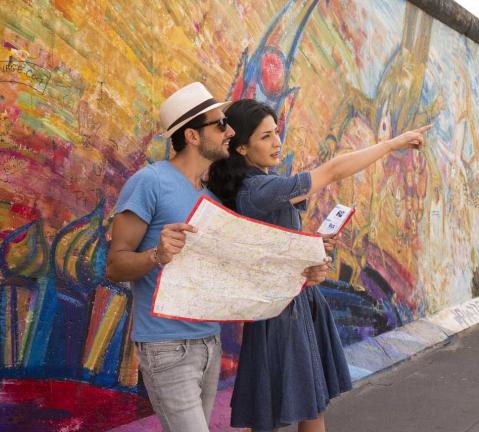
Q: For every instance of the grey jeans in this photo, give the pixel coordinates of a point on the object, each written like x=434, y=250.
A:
x=181, y=378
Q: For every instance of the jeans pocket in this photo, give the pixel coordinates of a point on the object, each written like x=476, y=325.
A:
x=164, y=356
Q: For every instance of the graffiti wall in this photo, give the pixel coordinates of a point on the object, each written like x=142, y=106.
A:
x=80, y=87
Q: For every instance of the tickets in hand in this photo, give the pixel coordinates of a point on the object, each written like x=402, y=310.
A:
x=336, y=220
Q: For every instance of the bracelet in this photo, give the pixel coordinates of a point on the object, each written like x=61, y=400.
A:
x=156, y=256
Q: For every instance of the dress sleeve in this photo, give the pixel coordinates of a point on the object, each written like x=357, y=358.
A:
x=269, y=192
x=140, y=195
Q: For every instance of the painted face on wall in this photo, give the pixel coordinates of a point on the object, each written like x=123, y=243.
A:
x=263, y=148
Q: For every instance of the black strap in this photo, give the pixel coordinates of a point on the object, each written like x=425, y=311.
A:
x=192, y=112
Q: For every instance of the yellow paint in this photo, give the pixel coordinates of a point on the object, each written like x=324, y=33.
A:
x=128, y=375
x=105, y=332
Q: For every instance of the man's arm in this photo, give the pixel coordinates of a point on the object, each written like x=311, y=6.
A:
x=124, y=263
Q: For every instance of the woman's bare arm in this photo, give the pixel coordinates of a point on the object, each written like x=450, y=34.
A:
x=348, y=164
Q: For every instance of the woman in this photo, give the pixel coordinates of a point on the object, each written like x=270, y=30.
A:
x=291, y=365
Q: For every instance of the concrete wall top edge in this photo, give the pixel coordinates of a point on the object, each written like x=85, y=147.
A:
x=452, y=14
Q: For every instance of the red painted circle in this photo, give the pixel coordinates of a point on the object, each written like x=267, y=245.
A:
x=272, y=73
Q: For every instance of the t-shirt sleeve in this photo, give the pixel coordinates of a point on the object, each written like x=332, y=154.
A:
x=139, y=195
x=269, y=192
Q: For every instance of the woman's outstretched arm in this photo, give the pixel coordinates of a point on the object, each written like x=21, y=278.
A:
x=348, y=164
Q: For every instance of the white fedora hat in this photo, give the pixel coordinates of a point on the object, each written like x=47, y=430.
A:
x=185, y=104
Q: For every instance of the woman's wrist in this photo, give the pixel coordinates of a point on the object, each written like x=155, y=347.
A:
x=388, y=145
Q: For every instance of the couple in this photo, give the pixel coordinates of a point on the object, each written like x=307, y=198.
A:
x=290, y=365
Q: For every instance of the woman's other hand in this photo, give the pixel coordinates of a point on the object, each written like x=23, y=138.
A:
x=330, y=243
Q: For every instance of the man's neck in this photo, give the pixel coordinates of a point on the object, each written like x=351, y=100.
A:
x=192, y=166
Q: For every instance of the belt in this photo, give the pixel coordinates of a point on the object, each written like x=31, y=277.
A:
x=216, y=338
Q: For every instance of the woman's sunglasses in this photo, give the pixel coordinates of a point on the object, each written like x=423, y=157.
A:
x=222, y=124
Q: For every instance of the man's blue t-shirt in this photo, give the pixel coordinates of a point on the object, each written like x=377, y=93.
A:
x=159, y=194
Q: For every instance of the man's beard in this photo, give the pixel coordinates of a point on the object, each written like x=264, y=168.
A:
x=212, y=154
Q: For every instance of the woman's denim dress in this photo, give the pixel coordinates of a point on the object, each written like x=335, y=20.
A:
x=290, y=366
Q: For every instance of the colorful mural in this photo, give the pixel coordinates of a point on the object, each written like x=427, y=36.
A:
x=80, y=87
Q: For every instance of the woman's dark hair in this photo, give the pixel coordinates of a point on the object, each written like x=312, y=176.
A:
x=226, y=175
x=178, y=141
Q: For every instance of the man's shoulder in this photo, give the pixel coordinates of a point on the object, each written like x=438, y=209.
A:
x=156, y=169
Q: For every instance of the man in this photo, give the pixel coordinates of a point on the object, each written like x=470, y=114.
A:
x=179, y=360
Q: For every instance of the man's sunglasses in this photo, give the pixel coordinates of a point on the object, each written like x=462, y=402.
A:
x=222, y=124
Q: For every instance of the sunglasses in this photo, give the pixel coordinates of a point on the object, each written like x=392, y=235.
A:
x=222, y=124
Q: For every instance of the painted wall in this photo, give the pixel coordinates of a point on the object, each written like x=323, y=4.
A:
x=80, y=87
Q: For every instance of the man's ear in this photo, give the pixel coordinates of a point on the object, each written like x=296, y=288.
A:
x=192, y=136
x=241, y=150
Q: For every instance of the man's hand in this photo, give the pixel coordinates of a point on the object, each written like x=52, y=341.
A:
x=317, y=274
x=172, y=240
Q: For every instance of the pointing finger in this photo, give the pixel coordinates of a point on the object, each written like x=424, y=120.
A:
x=423, y=128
